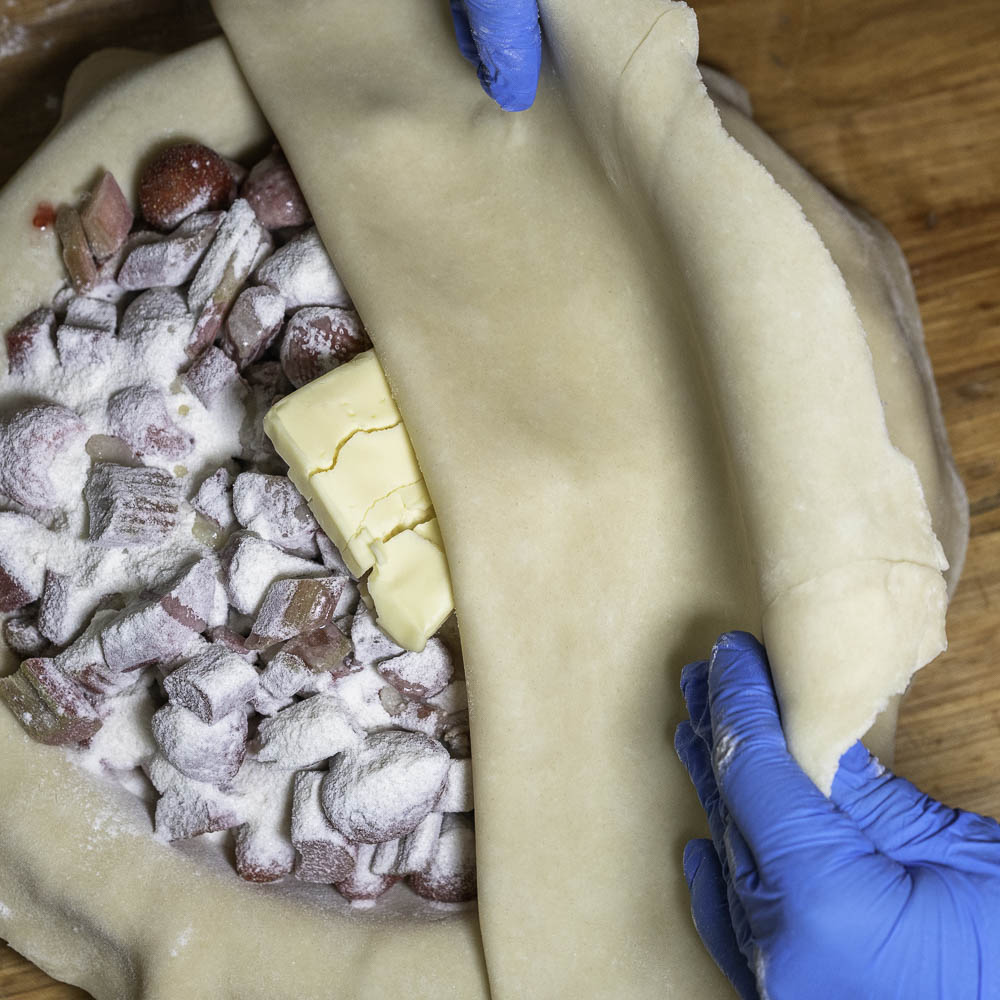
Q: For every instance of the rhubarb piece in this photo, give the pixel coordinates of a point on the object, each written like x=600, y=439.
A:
x=413, y=716
x=370, y=643
x=213, y=500
x=330, y=554
x=30, y=348
x=188, y=808
x=254, y=321
x=274, y=194
x=62, y=611
x=92, y=314
x=318, y=339
x=205, y=752
x=146, y=634
x=363, y=885
x=250, y=565
x=303, y=273
x=84, y=661
x=196, y=597
x=306, y=733
x=170, y=262
x=456, y=738
x=411, y=853
x=225, y=637
x=83, y=347
x=324, y=855
x=212, y=684
x=239, y=245
x=181, y=180
x=76, y=253
x=31, y=442
x=419, y=675
x=51, y=706
x=131, y=506
x=260, y=856
x=23, y=637
x=383, y=788
x=325, y=649
x=211, y=375
x=291, y=607
x=158, y=325
x=451, y=699
x=21, y=572
x=457, y=795
x=106, y=217
x=283, y=678
x=273, y=508
x=138, y=415
x=450, y=877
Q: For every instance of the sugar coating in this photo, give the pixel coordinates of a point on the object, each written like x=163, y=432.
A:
x=273, y=508
x=422, y=674
x=212, y=684
x=303, y=273
x=383, y=788
x=209, y=752
x=306, y=733
x=251, y=564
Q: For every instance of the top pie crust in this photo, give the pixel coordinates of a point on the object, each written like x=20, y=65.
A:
x=594, y=473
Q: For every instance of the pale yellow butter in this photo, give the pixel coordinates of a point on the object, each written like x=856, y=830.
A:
x=308, y=427
x=350, y=456
x=411, y=586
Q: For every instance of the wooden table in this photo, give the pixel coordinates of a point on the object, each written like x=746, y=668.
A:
x=894, y=104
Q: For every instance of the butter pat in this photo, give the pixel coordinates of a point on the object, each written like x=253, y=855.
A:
x=410, y=585
x=309, y=427
x=351, y=458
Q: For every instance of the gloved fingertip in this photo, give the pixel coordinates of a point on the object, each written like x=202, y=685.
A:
x=463, y=32
x=693, y=673
x=510, y=95
x=694, y=855
x=737, y=640
x=856, y=758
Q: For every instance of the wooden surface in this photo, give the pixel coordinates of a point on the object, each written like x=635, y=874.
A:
x=894, y=104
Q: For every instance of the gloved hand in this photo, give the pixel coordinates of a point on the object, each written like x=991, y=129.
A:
x=877, y=892
x=502, y=38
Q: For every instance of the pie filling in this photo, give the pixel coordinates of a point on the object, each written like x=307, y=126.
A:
x=184, y=623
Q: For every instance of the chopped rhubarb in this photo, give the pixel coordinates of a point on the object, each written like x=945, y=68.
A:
x=51, y=706
x=325, y=649
x=92, y=314
x=83, y=347
x=324, y=854
x=169, y=262
x=273, y=508
x=419, y=675
x=411, y=853
x=209, y=752
x=274, y=194
x=318, y=339
x=450, y=877
x=212, y=684
x=76, y=253
x=291, y=607
x=303, y=272
x=131, y=506
x=30, y=442
x=146, y=634
x=23, y=637
x=106, y=217
x=30, y=347
x=306, y=733
x=210, y=375
x=363, y=885
x=356, y=791
x=250, y=565
x=254, y=321
x=238, y=246
x=196, y=597
x=371, y=644
x=138, y=415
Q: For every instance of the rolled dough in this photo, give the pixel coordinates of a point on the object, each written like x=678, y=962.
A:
x=645, y=408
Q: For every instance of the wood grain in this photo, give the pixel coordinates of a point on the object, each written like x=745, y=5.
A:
x=894, y=104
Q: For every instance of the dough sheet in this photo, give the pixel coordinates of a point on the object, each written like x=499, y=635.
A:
x=645, y=407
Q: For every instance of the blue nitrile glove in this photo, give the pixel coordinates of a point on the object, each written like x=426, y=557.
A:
x=878, y=892
x=502, y=38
